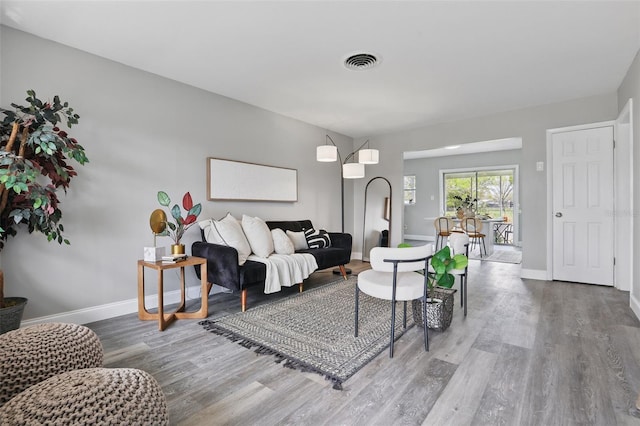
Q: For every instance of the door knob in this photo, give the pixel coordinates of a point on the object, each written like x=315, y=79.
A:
x=559, y=214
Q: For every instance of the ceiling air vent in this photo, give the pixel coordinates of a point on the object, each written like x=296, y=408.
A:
x=361, y=61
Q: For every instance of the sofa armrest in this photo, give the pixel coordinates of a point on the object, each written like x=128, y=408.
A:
x=222, y=264
x=341, y=240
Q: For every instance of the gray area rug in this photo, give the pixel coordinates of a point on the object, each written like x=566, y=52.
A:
x=504, y=256
x=313, y=330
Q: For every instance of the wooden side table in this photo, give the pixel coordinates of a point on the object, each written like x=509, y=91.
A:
x=164, y=319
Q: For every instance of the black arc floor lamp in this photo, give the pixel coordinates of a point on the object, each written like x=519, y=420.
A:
x=354, y=170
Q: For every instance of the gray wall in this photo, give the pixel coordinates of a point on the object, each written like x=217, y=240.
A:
x=630, y=89
x=144, y=133
x=530, y=124
x=427, y=172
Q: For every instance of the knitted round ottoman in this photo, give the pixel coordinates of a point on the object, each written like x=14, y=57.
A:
x=32, y=354
x=93, y=396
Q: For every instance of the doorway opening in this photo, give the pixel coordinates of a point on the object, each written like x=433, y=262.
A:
x=494, y=193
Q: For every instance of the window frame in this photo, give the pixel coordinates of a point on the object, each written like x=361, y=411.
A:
x=516, y=190
x=405, y=189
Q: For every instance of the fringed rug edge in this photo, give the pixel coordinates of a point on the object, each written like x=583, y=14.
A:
x=261, y=349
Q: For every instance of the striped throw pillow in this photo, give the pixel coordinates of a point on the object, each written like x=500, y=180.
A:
x=317, y=238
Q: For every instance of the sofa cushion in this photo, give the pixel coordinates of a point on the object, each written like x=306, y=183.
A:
x=252, y=273
x=259, y=235
x=298, y=239
x=228, y=232
x=329, y=257
x=317, y=238
x=281, y=243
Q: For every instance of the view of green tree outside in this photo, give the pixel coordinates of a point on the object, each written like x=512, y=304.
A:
x=410, y=189
x=492, y=188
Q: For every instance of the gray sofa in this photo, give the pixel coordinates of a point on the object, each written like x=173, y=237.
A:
x=223, y=268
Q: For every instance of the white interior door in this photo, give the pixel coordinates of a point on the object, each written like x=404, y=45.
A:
x=623, y=184
x=583, y=205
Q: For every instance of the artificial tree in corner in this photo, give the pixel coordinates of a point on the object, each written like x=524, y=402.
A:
x=34, y=157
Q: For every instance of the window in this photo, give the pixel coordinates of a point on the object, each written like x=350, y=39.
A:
x=410, y=189
x=493, y=190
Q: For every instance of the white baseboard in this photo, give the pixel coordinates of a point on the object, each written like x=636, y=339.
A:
x=534, y=274
x=110, y=310
x=635, y=305
x=419, y=237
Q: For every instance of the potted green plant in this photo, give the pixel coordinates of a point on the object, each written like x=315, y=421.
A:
x=440, y=294
x=34, y=156
x=465, y=206
x=176, y=230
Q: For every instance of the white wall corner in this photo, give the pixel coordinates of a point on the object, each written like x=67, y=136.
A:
x=534, y=274
x=419, y=237
x=635, y=305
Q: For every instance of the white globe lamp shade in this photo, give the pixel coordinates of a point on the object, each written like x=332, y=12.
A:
x=353, y=170
x=326, y=153
x=368, y=156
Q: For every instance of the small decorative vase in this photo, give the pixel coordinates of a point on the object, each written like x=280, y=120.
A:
x=460, y=213
x=177, y=248
x=469, y=213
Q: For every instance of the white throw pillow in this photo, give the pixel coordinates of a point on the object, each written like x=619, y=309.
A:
x=281, y=243
x=299, y=240
x=206, y=227
x=228, y=232
x=259, y=235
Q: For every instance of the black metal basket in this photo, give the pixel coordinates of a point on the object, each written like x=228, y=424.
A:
x=440, y=312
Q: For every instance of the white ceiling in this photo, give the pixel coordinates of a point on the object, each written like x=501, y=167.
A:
x=467, y=148
x=441, y=61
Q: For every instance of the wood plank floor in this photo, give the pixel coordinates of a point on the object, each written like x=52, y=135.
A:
x=528, y=353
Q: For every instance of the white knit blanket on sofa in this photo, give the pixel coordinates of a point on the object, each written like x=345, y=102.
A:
x=286, y=270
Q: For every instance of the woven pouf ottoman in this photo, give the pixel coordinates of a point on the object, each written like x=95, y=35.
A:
x=93, y=396
x=32, y=354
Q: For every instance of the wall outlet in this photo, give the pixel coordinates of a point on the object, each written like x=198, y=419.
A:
x=540, y=166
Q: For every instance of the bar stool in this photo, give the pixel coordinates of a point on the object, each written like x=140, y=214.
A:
x=472, y=226
x=444, y=227
x=459, y=243
x=508, y=234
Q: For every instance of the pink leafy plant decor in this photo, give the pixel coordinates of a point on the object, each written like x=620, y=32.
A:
x=176, y=230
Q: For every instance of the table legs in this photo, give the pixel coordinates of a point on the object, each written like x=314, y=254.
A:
x=203, y=312
x=164, y=319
